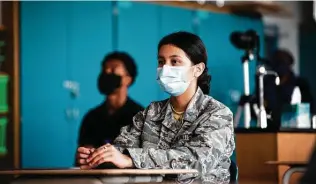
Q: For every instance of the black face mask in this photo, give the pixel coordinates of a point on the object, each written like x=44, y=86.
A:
x=107, y=83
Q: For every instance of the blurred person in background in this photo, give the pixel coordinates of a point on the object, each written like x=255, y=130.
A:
x=275, y=97
x=102, y=124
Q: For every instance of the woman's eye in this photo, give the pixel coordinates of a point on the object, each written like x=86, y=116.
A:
x=160, y=62
x=174, y=62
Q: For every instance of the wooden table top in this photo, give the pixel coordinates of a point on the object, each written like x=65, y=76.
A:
x=288, y=163
x=77, y=171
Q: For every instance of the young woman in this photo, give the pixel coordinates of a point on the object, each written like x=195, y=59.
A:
x=190, y=130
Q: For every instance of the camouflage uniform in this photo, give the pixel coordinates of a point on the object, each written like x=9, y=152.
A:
x=203, y=141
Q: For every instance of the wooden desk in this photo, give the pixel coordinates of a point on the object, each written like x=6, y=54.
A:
x=294, y=167
x=288, y=163
x=254, y=148
x=95, y=176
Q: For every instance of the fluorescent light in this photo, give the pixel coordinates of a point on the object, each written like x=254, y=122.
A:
x=220, y=3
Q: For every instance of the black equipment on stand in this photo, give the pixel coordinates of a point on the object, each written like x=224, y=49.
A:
x=249, y=42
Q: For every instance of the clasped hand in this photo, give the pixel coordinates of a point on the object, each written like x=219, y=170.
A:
x=89, y=158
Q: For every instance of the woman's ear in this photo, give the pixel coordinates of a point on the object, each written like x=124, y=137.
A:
x=199, y=69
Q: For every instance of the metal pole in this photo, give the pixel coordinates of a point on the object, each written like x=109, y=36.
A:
x=261, y=91
x=247, y=115
x=262, y=120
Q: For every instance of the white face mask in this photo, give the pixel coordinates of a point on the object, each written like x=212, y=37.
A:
x=173, y=79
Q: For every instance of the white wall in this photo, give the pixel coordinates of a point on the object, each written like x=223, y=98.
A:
x=289, y=30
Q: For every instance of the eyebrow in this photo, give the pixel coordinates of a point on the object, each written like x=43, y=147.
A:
x=172, y=56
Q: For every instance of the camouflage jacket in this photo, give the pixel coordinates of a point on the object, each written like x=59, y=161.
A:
x=203, y=141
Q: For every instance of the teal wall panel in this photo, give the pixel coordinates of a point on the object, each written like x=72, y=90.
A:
x=138, y=35
x=87, y=43
x=43, y=52
x=59, y=41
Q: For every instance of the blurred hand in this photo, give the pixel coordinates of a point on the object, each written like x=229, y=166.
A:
x=82, y=155
x=108, y=153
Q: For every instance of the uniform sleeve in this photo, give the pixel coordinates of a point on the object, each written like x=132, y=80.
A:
x=208, y=151
x=130, y=135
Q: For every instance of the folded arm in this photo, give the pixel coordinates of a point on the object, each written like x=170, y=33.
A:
x=208, y=151
x=130, y=135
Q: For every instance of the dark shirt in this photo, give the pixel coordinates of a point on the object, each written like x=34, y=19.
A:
x=99, y=127
x=306, y=92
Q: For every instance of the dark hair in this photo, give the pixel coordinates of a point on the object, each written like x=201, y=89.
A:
x=126, y=59
x=194, y=48
x=282, y=56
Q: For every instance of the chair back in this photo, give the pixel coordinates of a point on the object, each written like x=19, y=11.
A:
x=233, y=170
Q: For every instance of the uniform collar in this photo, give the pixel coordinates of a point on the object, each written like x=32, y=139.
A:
x=191, y=113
